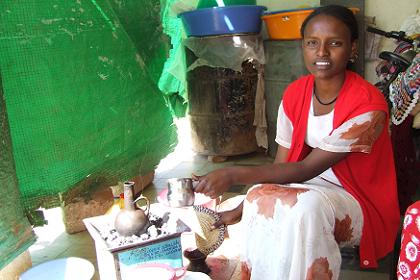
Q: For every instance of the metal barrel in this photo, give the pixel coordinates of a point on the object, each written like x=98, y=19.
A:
x=221, y=108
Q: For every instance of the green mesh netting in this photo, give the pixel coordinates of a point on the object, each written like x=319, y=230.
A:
x=173, y=79
x=141, y=21
x=80, y=85
x=15, y=232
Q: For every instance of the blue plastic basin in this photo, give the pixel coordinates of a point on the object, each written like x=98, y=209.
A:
x=223, y=20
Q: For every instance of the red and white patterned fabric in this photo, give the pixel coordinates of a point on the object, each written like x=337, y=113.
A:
x=294, y=231
x=409, y=262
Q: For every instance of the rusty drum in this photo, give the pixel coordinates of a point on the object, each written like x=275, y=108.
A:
x=221, y=109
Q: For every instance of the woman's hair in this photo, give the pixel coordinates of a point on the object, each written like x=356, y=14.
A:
x=341, y=13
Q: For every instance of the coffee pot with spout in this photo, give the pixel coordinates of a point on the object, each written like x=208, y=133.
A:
x=132, y=220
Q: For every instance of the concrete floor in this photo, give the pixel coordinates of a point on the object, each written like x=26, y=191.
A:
x=53, y=242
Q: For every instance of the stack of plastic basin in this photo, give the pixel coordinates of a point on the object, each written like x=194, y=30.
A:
x=236, y=19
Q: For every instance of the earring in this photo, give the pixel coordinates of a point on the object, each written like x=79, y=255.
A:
x=353, y=57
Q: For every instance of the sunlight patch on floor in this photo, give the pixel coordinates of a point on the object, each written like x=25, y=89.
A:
x=47, y=234
x=183, y=151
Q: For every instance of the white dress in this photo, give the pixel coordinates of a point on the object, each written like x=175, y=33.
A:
x=294, y=231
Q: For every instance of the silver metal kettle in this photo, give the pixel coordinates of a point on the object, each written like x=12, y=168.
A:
x=132, y=220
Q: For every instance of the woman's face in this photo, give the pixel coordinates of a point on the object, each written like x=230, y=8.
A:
x=327, y=47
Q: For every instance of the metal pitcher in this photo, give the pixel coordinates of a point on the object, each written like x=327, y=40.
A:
x=181, y=192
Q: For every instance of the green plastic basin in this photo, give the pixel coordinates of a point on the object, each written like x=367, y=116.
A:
x=222, y=3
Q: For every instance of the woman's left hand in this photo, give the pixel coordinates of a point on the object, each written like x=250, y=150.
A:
x=229, y=217
x=213, y=184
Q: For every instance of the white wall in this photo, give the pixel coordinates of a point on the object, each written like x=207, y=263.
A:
x=389, y=16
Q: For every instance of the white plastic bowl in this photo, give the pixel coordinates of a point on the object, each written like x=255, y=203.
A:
x=71, y=268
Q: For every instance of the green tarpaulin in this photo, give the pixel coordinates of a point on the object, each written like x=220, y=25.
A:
x=15, y=232
x=80, y=85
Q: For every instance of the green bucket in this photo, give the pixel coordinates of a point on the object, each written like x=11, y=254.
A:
x=221, y=3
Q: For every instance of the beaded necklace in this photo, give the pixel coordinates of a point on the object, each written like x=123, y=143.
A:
x=322, y=103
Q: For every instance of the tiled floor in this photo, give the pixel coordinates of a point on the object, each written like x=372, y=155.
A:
x=53, y=242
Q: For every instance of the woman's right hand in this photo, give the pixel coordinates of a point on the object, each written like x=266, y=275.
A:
x=214, y=183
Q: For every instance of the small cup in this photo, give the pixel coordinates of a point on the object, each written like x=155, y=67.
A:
x=180, y=192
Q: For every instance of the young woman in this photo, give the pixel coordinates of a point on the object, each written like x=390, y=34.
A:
x=333, y=182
